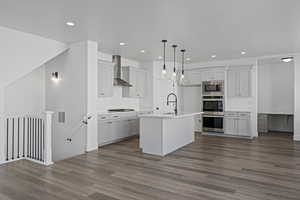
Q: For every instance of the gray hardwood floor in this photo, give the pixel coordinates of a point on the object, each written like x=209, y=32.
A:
x=212, y=168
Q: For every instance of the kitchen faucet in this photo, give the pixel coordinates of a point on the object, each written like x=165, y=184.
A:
x=168, y=101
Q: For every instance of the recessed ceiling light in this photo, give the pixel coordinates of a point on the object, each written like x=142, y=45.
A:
x=287, y=59
x=143, y=51
x=188, y=59
x=243, y=52
x=70, y=24
x=122, y=43
x=160, y=57
x=214, y=56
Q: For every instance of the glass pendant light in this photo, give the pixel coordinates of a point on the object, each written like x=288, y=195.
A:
x=182, y=69
x=164, y=71
x=174, y=69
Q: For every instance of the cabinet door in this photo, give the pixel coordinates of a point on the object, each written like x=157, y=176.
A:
x=133, y=127
x=105, y=79
x=105, y=132
x=230, y=126
x=195, y=78
x=243, y=127
x=219, y=75
x=232, y=83
x=244, y=83
x=133, y=81
x=198, y=124
x=208, y=75
x=141, y=86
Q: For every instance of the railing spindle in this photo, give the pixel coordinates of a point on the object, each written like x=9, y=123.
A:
x=18, y=138
x=7, y=133
x=23, y=136
x=13, y=138
x=38, y=139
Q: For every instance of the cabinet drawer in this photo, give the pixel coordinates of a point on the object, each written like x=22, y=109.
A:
x=244, y=115
x=231, y=114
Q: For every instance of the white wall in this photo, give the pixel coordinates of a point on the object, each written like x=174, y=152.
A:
x=22, y=52
x=276, y=88
x=117, y=101
x=70, y=96
x=27, y=94
x=92, y=95
x=297, y=98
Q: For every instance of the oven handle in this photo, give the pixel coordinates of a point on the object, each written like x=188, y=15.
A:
x=219, y=116
x=213, y=100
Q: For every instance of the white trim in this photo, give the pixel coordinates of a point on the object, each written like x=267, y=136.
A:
x=296, y=137
x=29, y=159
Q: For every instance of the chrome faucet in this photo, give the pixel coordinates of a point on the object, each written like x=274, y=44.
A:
x=175, y=101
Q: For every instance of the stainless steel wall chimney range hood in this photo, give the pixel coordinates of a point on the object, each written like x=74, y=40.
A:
x=118, y=81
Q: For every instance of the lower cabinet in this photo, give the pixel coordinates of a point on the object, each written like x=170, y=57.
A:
x=198, y=123
x=116, y=130
x=237, y=123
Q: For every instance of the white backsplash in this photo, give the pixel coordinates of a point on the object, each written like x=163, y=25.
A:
x=117, y=101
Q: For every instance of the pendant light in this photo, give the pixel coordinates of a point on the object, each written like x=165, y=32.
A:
x=174, y=69
x=164, y=71
x=182, y=69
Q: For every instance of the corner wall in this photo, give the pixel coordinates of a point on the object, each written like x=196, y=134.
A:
x=69, y=95
x=297, y=98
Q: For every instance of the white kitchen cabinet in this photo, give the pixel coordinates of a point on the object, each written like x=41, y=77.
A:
x=133, y=126
x=105, y=130
x=197, y=76
x=230, y=126
x=192, y=77
x=213, y=75
x=113, y=128
x=120, y=129
x=138, y=79
x=239, y=82
x=262, y=123
x=198, y=123
x=105, y=79
x=237, y=123
x=141, y=83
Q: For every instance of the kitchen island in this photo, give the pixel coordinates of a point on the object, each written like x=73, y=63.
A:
x=161, y=134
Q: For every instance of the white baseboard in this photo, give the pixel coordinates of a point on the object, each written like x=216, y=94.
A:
x=296, y=137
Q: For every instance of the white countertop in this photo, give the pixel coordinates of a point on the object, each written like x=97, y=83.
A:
x=170, y=116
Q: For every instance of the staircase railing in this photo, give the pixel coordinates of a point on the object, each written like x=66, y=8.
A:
x=28, y=137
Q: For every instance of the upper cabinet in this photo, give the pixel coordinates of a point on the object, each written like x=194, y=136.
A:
x=138, y=79
x=197, y=76
x=105, y=79
x=213, y=75
x=192, y=77
x=239, y=82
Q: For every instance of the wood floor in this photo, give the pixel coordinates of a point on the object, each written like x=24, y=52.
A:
x=212, y=168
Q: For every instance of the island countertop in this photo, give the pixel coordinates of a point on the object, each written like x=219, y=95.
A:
x=170, y=115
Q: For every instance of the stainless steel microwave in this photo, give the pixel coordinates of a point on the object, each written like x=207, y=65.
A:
x=213, y=88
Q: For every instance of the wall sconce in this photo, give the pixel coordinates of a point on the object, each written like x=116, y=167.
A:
x=55, y=76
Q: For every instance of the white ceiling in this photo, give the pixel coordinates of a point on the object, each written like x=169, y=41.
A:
x=203, y=27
